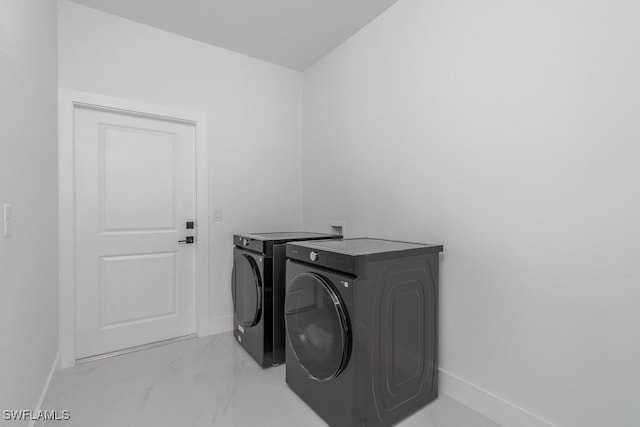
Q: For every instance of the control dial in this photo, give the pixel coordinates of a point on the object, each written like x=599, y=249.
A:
x=313, y=256
x=245, y=242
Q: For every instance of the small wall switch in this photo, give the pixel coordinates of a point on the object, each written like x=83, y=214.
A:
x=8, y=219
x=217, y=214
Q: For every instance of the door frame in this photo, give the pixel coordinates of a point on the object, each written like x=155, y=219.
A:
x=68, y=100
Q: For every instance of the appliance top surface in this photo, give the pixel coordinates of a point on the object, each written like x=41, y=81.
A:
x=364, y=246
x=288, y=236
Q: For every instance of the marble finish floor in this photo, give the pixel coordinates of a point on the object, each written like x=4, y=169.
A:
x=198, y=382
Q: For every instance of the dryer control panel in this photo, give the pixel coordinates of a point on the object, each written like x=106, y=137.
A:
x=331, y=260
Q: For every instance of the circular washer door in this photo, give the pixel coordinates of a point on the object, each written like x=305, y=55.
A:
x=317, y=326
x=246, y=289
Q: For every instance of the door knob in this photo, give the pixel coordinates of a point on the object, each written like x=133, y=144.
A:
x=188, y=239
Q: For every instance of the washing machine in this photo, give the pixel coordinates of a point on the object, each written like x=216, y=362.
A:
x=257, y=288
x=361, y=319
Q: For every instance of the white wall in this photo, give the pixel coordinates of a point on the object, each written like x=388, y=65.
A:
x=509, y=132
x=28, y=181
x=254, y=110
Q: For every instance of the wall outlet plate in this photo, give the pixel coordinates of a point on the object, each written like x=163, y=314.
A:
x=337, y=228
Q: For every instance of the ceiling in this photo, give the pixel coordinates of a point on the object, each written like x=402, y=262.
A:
x=292, y=33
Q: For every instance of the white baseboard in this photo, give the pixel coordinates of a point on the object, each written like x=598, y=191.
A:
x=45, y=388
x=220, y=325
x=488, y=404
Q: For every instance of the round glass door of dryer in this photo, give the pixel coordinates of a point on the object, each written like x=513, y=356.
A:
x=246, y=290
x=317, y=326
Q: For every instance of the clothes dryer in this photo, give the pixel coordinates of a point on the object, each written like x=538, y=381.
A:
x=361, y=319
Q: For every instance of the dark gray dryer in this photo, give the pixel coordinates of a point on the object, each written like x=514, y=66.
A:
x=257, y=287
x=361, y=319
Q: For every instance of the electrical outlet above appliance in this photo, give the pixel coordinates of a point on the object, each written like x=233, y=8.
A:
x=337, y=228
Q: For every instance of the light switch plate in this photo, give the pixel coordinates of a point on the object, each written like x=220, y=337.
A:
x=217, y=214
x=8, y=219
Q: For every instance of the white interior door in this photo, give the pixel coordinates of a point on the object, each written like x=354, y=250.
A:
x=135, y=190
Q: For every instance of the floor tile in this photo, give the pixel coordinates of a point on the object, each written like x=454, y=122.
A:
x=246, y=395
x=202, y=382
x=447, y=412
x=306, y=418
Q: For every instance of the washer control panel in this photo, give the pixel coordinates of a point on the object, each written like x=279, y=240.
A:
x=246, y=242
